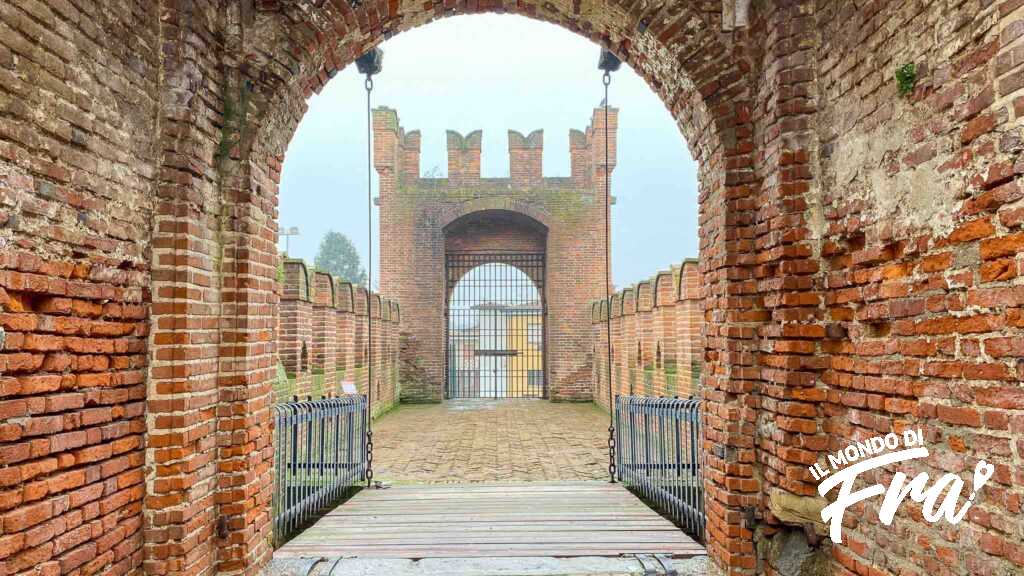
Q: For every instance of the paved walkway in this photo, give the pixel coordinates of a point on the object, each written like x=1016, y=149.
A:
x=491, y=441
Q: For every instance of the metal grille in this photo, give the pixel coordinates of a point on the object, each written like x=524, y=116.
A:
x=494, y=325
x=319, y=453
x=658, y=454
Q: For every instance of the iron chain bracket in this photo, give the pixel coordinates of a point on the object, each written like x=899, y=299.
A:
x=608, y=64
x=611, y=454
x=369, y=67
x=369, y=458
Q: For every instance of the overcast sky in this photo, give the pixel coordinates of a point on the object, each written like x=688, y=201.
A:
x=495, y=73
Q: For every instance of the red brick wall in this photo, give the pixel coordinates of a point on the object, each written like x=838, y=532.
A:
x=209, y=452
x=325, y=331
x=921, y=260
x=329, y=318
x=421, y=218
x=360, y=374
x=345, y=336
x=860, y=260
x=78, y=122
x=667, y=316
x=295, y=339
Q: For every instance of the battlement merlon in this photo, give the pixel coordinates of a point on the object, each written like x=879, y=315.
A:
x=595, y=140
x=464, y=157
x=386, y=136
x=526, y=158
x=397, y=153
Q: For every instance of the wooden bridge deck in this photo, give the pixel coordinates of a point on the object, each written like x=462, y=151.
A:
x=566, y=519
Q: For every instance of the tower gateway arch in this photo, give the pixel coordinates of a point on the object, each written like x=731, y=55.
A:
x=494, y=274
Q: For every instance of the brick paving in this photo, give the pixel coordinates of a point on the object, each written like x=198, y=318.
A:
x=491, y=441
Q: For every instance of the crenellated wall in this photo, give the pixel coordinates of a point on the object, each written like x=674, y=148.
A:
x=422, y=220
x=322, y=338
x=657, y=346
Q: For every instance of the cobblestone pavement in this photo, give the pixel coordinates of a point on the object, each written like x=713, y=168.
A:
x=491, y=441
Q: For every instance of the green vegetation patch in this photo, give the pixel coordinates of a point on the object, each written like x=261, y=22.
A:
x=906, y=78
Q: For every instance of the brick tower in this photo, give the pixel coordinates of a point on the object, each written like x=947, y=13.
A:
x=424, y=219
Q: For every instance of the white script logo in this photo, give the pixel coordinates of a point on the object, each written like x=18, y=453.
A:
x=880, y=451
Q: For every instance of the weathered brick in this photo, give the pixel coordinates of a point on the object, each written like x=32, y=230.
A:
x=1002, y=246
x=977, y=127
x=26, y=516
x=108, y=151
x=1001, y=347
x=959, y=415
x=973, y=230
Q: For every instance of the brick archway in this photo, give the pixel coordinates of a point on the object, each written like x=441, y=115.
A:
x=476, y=205
x=496, y=266
x=702, y=68
x=861, y=254
x=531, y=233
x=236, y=80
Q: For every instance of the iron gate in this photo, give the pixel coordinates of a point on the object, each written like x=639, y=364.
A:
x=658, y=453
x=319, y=454
x=494, y=325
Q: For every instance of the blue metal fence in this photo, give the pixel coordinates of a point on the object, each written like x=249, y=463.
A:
x=658, y=454
x=319, y=453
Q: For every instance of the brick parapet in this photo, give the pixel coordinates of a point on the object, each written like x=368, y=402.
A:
x=297, y=283
x=656, y=342
x=336, y=336
x=463, y=158
x=322, y=340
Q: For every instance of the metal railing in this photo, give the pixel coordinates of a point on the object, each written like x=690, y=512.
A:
x=319, y=453
x=659, y=455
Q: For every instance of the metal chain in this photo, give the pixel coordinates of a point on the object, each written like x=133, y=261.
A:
x=607, y=79
x=369, y=285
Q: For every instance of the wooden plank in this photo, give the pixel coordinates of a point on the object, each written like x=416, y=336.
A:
x=435, y=506
x=489, y=507
x=595, y=499
x=567, y=525
x=430, y=496
x=523, y=539
x=389, y=495
x=521, y=505
x=562, y=519
x=523, y=516
x=490, y=487
x=519, y=534
x=409, y=497
x=592, y=497
x=575, y=504
x=482, y=551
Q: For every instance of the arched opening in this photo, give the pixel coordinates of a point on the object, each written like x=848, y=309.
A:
x=295, y=51
x=496, y=278
x=470, y=233
x=495, y=326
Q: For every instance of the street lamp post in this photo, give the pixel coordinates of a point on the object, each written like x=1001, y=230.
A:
x=288, y=233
